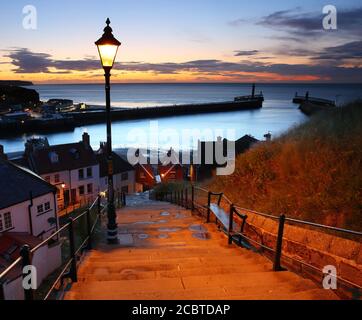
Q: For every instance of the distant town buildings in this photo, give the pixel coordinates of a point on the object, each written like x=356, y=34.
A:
x=206, y=168
x=58, y=105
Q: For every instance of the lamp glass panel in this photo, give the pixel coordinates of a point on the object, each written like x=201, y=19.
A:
x=107, y=54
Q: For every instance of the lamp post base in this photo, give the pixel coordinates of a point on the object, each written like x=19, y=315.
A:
x=112, y=227
x=112, y=236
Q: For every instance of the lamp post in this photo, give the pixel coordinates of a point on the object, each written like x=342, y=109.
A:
x=107, y=47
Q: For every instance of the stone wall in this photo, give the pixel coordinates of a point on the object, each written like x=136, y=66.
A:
x=311, y=245
x=315, y=248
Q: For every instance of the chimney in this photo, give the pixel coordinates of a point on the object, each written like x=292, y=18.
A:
x=86, y=139
x=2, y=154
x=268, y=136
x=103, y=147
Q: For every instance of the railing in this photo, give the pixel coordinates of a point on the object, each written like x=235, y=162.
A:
x=201, y=200
x=77, y=244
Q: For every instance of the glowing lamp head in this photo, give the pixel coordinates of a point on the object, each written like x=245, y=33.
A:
x=107, y=47
x=63, y=185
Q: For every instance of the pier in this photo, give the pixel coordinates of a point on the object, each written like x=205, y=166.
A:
x=73, y=119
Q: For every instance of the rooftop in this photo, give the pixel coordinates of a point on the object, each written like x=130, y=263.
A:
x=61, y=158
x=17, y=183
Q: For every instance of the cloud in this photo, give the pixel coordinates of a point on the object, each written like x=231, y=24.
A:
x=26, y=61
x=29, y=62
x=350, y=50
x=240, y=53
x=301, y=24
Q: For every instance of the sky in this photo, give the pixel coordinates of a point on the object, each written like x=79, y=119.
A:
x=183, y=41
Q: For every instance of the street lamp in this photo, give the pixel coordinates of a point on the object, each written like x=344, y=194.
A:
x=107, y=47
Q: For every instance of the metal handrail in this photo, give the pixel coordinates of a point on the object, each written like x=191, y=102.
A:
x=265, y=215
x=51, y=237
x=201, y=189
x=67, y=265
x=9, y=268
x=322, y=226
x=44, y=242
x=277, y=251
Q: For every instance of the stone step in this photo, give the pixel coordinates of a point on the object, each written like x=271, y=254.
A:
x=176, y=252
x=297, y=290
x=204, y=259
x=110, y=273
x=256, y=279
x=180, y=266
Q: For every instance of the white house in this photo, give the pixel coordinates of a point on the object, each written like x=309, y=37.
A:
x=73, y=168
x=123, y=172
x=28, y=214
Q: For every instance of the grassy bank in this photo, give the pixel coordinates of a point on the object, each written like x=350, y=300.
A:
x=313, y=172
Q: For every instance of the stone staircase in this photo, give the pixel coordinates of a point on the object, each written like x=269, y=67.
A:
x=166, y=253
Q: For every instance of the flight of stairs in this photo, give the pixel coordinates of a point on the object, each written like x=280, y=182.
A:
x=166, y=253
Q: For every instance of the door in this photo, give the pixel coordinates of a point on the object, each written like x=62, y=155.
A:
x=74, y=196
x=66, y=198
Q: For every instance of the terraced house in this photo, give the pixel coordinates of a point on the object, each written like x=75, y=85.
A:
x=28, y=214
x=73, y=168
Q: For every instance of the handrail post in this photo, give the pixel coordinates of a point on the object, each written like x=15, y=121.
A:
x=2, y=291
x=89, y=230
x=192, y=198
x=278, y=249
x=231, y=221
x=186, y=199
x=73, y=266
x=25, y=255
x=208, y=207
x=99, y=205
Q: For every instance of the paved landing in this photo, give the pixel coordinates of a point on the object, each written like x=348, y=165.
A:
x=167, y=253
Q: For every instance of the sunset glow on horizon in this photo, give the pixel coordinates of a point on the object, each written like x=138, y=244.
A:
x=183, y=41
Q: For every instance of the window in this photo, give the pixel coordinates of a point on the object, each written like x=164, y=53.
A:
x=58, y=194
x=56, y=178
x=47, y=179
x=124, y=176
x=90, y=188
x=81, y=190
x=142, y=175
x=40, y=208
x=47, y=206
x=125, y=189
x=80, y=174
x=53, y=156
x=89, y=172
x=5, y=221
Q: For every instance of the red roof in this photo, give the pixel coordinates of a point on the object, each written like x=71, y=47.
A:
x=10, y=245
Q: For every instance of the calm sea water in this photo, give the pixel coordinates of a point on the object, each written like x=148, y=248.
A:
x=277, y=115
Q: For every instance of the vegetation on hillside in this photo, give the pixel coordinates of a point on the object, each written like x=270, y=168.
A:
x=313, y=172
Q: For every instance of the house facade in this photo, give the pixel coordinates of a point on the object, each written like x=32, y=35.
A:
x=148, y=175
x=123, y=172
x=28, y=215
x=72, y=168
